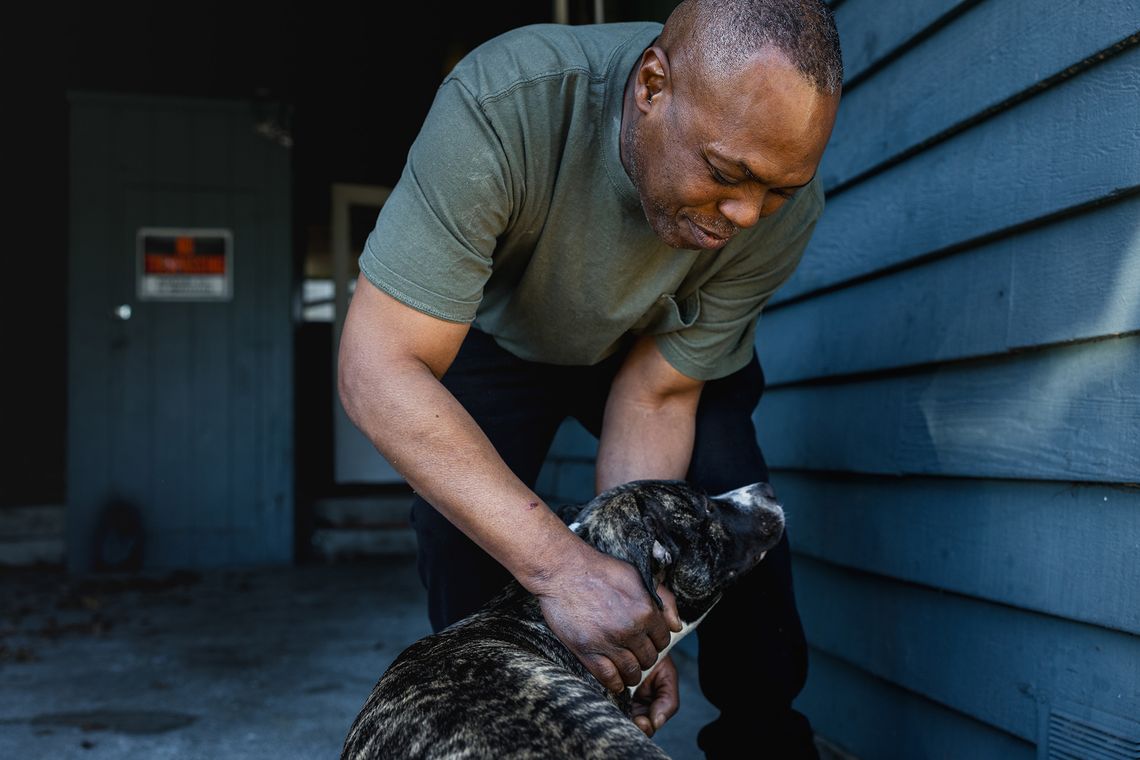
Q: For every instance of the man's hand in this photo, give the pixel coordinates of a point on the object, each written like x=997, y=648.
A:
x=598, y=607
x=658, y=699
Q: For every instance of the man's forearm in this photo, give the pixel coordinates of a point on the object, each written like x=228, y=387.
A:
x=650, y=421
x=434, y=443
x=646, y=441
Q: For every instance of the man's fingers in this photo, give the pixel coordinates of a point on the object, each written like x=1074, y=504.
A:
x=628, y=666
x=646, y=652
x=645, y=725
x=658, y=635
x=669, y=609
x=606, y=672
x=659, y=697
x=666, y=702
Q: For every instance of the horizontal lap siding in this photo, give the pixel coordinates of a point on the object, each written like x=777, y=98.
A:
x=960, y=74
x=1063, y=549
x=1075, y=279
x=877, y=719
x=953, y=404
x=1073, y=145
x=1067, y=413
x=871, y=38
x=990, y=662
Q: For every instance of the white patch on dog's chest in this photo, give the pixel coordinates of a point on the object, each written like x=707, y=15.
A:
x=674, y=637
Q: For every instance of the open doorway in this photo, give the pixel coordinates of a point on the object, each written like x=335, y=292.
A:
x=351, y=502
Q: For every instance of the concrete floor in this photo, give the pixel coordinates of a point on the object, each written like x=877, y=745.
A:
x=239, y=664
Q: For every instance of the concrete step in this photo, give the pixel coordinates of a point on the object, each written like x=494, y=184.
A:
x=378, y=511
x=340, y=544
x=32, y=535
x=354, y=527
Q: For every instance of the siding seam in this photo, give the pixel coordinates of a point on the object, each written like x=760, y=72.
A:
x=987, y=113
x=1114, y=196
x=912, y=42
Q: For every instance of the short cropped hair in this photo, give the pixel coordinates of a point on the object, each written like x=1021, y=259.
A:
x=725, y=33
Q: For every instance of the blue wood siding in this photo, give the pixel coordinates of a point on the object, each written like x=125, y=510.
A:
x=953, y=412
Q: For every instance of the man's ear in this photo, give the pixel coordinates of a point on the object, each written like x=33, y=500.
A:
x=652, y=78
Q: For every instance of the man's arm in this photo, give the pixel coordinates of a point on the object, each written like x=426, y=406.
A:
x=650, y=420
x=391, y=359
x=647, y=432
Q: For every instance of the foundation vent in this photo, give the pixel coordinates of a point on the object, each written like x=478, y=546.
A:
x=1095, y=736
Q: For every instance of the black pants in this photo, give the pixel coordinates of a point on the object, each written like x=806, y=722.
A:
x=752, y=653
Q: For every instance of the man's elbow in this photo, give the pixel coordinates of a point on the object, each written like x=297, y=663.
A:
x=357, y=378
x=348, y=384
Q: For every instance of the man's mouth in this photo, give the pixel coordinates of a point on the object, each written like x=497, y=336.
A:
x=707, y=238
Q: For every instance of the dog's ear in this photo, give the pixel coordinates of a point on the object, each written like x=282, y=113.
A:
x=624, y=522
x=649, y=556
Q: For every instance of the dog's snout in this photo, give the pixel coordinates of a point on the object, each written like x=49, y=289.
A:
x=760, y=495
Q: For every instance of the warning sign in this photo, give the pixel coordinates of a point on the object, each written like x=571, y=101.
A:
x=185, y=264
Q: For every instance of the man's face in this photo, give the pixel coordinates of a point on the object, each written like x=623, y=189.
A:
x=710, y=157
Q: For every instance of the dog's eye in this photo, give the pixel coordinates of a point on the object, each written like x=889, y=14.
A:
x=708, y=507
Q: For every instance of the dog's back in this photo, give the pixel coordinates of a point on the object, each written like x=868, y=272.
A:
x=497, y=684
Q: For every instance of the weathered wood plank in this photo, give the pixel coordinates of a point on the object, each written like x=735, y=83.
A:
x=867, y=34
x=277, y=313
x=134, y=397
x=1074, y=144
x=91, y=229
x=1066, y=413
x=988, y=661
x=260, y=163
x=1093, y=291
x=1076, y=279
x=935, y=86
x=1063, y=549
x=169, y=379
x=871, y=718
x=210, y=351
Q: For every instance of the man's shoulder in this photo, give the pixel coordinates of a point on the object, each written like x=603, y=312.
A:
x=540, y=51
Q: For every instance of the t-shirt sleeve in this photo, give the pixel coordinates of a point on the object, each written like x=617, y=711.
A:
x=432, y=244
x=719, y=340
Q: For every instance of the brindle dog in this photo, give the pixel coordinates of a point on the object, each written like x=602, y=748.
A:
x=499, y=684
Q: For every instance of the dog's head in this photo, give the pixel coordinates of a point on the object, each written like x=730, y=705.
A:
x=674, y=533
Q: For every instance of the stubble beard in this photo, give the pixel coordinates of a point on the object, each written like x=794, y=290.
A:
x=661, y=219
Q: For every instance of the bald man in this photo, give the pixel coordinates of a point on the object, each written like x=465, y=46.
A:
x=588, y=225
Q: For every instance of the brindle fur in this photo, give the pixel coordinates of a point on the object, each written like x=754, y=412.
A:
x=499, y=684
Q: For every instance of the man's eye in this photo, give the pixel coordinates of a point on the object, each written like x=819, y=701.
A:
x=720, y=178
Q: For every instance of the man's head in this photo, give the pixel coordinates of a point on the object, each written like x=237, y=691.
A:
x=728, y=114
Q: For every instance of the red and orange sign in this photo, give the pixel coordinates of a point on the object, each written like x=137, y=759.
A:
x=184, y=264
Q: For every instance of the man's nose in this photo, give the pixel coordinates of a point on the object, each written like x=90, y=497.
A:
x=743, y=210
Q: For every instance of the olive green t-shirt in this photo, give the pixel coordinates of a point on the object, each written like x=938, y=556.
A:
x=514, y=211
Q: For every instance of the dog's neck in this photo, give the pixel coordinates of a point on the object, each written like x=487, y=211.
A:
x=674, y=637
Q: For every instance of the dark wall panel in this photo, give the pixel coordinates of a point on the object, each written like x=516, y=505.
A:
x=185, y=409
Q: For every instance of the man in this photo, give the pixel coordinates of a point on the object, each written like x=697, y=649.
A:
x=612, y=205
